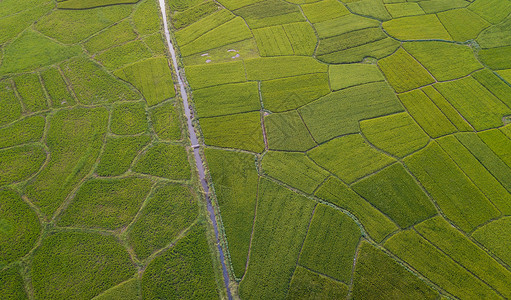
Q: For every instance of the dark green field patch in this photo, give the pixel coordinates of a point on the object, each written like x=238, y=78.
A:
x=10, y=106
x=12, y=285
x=235, y=181
x=19, y=163
x=268, y=68
x=459, y=199
x=309, y=285
x=74, y=138
x=124, y=54
x=462, y=250
x=286, y=131
x=14, y=24
x=481, y=177
x=270, y=12
x=427, y=114
x=19, y=227
x=151, y=77
x=93, y=85
x=348, y=75
x=164, y=160
x=394, y=192
x=494, y=84
x=396, y=134
x=496, y=36
x=85, y=22
x=126, y=290
x=170, y=209
x=492, y=11
x=119, y=153
x=81, y=265
x=182, y=272
x=33, y=50
x=26, y=130
x=478, y=105
x=279, y=231
x=83, y=4
x=377, y=225
x=31, y=92
x=146, y=17
x=293, y=92
x=294, y=169
x=201, y=76
x=462, y=24
x=340, y=112
x=240, y=131
x=106, y=203
x=372, y=50
x=227, y=99
x=496, y=237
x=166, y=122
x=377, y=276
x=433, y=6
x=330, y=229
x=403, y=72
x=397, y=10
x=437, y=57
x=119, y=33
x=357, y=160
x=499, y=143
x=324, y=10
x=495, y=58
x=129, y=118
x=372, y=8
x=57, y=89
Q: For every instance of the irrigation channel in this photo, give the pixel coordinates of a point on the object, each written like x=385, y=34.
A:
x=195, y=145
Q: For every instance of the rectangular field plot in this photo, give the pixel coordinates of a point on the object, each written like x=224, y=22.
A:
x=324, y=10
x=348, y=75
x=302, y=38
x=235, y=182
x=378, y=276
x=268, y=68
x=57, y=88
x=294, y=169
x=492, y=11
x=338, y=113
x=434, y=6
x=81, y=4
x=227, y=99
x=487, y=157
x=26, y=130
x=280, y=228
x=230, y=32
x=496, y=237
x=447, y=109
x=199, y=28
x=396, y=134
x=479, y=175
x=344, y=24
x=289, y=93
x=398, y=10
x=417, y=28
x=166, y=121
x=375, y=49
x=31, y=92
x=496, y=58
x=377, y=225
x=479, y=107
x=426, y=114
x=403, y=72
x=462, y=24
x=310, y=285
x=371, y=8
x=495, y=85
x=116, y=57
x=499, y=143
x=10, y=105
x=437, y=57
x=286, y=131
x=270, y=12
x=395, y=193
x=193, y=14
x=117, y=34
x=239, y=131
x=437, y=266
x=457, y=246
x=496, y=36
x=459, y=199
x=358, y=159
x=151, y=77
x=330, y=229
x=272, y=41
x=201, y=76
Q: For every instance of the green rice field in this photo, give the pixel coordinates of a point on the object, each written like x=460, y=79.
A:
x=269, y=149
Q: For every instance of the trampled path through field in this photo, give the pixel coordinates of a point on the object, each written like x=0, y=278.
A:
x=195, y=145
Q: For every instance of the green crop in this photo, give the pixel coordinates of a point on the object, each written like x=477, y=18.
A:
x=119, y=153
x=115, y=35
x=294, y=169
x=126, y=290
x=348, y=75
x=10, y=106
x=19, y=227
x=286, y=131
x=343, y=25
x=434, y=6
x=235, y=181
x=309, y=285
x=373, y=8
x=202, y=76
x=168, y=211
x=57, y=88
x=495, y=236
x=119, y=56
x=202, y=26
x=19, y=163
x=82, y=4
x=129, y=118
x=498, y=142
x=164, y=160
x=193, y=14
x=462, y=24
x=279, y=67
x=166, y=122
x=330, y=229
x=375, y=49
x=302, y=38
x=31, y=92
x=269, y=12
x=12, y=285
x=26, y=130
x=417, y=28
x=397, y=10
x=493, y=11
x=324, y=10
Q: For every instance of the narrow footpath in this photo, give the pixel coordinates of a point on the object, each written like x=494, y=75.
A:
x=195, y=145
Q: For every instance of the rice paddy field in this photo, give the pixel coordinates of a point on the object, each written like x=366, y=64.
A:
x=352, y=149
